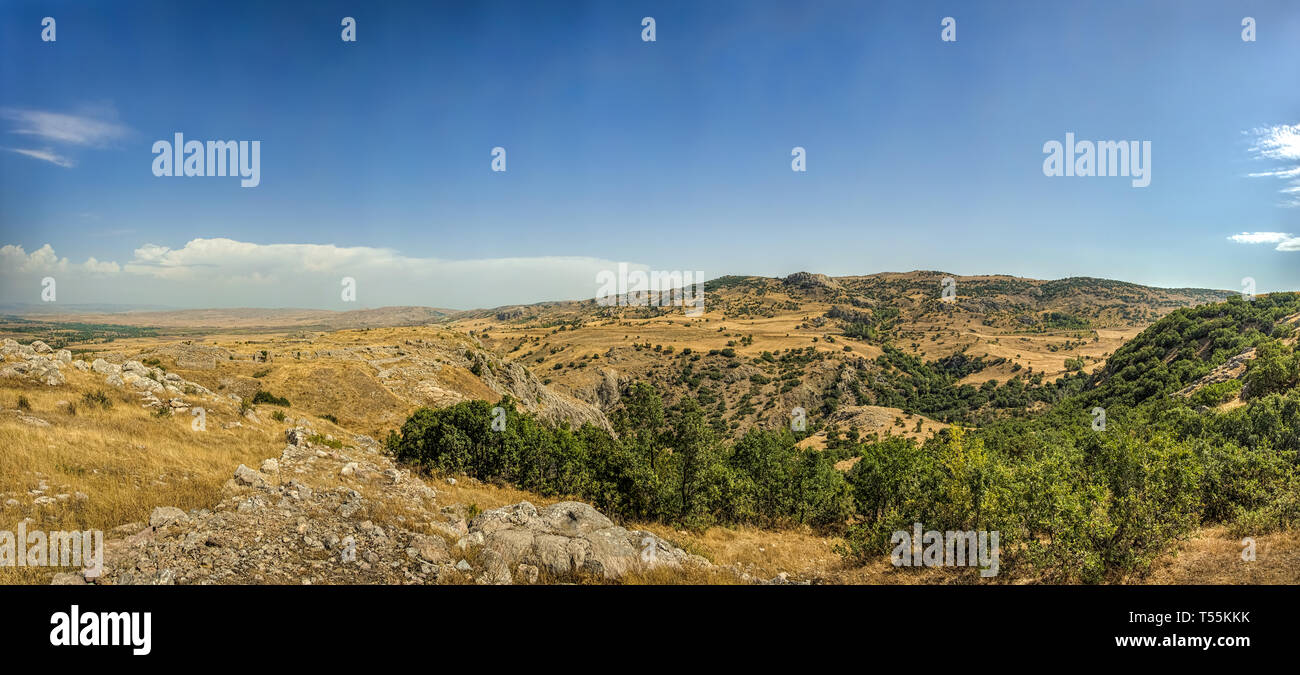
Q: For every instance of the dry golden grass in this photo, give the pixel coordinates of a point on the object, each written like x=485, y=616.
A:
x=126, y=459
x=1213, y=556
x=762, y=553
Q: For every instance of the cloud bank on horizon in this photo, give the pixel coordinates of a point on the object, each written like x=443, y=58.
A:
x=221, y=272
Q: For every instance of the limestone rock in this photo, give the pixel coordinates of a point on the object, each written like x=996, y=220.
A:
x=163, y=516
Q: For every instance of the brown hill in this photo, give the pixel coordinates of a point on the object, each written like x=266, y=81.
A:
x=765, y=346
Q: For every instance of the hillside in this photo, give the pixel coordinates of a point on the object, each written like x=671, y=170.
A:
x=1199, y=447
x=764, y=346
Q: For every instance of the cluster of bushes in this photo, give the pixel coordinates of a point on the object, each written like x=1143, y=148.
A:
x=665, y=464
x=930, y=387
x=1075, y=503
x=263, y=396
x=1059, y=321
x=1069, y=503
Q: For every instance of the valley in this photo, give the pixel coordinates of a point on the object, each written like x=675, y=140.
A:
x=877, y=364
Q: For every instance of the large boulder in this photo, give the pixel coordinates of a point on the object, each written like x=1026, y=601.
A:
x=573, y=518
x=163, y=516
x=105, y=368
x=47, y=373
x=569, y=538
x=37, y=369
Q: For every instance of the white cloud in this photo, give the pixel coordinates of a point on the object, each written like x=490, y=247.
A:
x=223, y=272
x=42, y=260
x=1280, y=143
x=1260, y=237
x=94, y=129
x=82, y=130
x=1284, y=240
x=46, y=155
x=95, y=267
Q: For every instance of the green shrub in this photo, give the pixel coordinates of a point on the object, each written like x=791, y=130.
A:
x=267, y=397
x=96, y=399
x=1217, y=393
x=322, y=440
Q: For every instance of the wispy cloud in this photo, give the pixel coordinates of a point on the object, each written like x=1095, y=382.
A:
x=47, y=155
x=84, y=130
x=1285, y=241
x=96, y=128
x=1281, y=144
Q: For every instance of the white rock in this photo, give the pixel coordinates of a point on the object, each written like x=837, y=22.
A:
x=163, y=516
x=105, y=368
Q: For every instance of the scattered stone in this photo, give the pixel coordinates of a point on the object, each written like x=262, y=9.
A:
x=431, y=548
x=247, y=476
x=163, y=516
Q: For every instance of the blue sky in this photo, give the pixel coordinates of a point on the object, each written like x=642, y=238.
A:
x=673, y=154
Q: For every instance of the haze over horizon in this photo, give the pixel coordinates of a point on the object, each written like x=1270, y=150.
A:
x=375, y=156
x=40, y=308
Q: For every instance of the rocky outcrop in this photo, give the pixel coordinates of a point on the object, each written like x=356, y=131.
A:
x=513, y=379
x=568, y=539
x=316, y=514
x=36, y=362
x=1232, y=369
x=419, y=372
x=811, y=281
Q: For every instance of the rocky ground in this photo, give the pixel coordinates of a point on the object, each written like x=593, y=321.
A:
x=330, y=510
x=40, y=363
x=320, y=514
